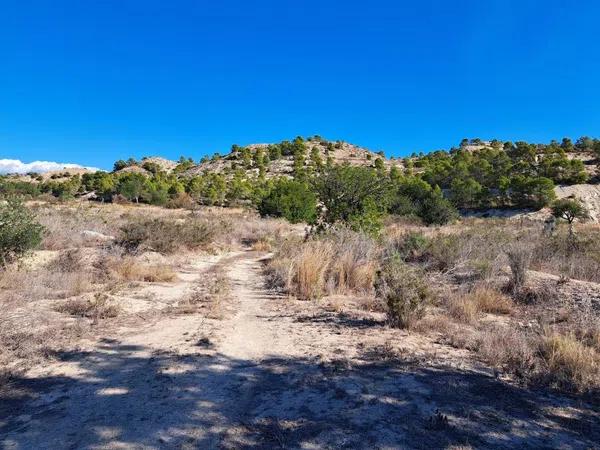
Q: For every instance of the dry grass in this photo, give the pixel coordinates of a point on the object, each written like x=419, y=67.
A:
x=24, y=342
x=468, y=307
x=262, y=244
x=355, y=264
x=169, y=236
x=508, y=349
x=463, y=308
x=209, y=294
x=130, y=269
x=65, y=224
x=99, y=307
x=44, y=283
x=310, y=266
x=340, y=262
x=569, y=363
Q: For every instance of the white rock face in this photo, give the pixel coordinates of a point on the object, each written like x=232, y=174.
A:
x=589, y=194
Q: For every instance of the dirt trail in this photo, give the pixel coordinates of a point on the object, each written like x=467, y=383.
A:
x=276, y=373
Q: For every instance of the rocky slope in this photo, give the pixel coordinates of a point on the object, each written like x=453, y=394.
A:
x=340, y=153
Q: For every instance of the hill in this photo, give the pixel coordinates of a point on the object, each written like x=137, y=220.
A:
x=278, y=159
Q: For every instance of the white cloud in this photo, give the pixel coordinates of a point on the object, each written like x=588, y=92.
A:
x=16, y=166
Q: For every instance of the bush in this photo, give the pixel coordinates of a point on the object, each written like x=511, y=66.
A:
x=19, y=231
x=410, y=246
x=290, y=199
x=444, y=252
x=518, y=258
x=404, y=292
x=166, y=236
x=436, y=210
x=353, y=195
x=181, y=200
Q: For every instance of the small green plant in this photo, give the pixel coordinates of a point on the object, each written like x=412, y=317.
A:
x=19, y=231
x=404, y=292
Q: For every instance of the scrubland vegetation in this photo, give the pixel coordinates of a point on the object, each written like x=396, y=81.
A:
x=472, y=285
x=79, y=261
x=380, y=248
x=315, y=183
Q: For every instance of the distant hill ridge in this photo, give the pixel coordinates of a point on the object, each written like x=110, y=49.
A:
x=273, y=160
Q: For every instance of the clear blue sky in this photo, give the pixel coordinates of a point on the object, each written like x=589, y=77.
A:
x=94, y=81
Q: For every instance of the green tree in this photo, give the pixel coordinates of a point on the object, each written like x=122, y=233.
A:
x=131, y=186
x=291, y=199
x=350, y=194
x=465, y=192
x=437, y=210
x=238, y=188
x=569, y=210
x=119, y=165
x=315, y=158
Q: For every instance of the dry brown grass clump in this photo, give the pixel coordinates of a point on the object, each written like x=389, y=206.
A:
x=99, y=307
x=340, y=262
x=509, y=349
x=129, y=269
x=483, y=299
x=310, y=266
x=569, y=363
x=169, y=236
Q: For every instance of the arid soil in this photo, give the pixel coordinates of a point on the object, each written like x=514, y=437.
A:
x=273, y=372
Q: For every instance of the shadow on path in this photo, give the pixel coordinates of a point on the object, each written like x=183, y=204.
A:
x=127, y=397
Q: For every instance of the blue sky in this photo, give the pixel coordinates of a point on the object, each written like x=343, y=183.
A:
x=94, y=81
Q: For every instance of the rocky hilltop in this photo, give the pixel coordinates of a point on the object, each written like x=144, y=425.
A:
x=279, y=159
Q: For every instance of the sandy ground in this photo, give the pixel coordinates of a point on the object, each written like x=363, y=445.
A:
x=278, y=373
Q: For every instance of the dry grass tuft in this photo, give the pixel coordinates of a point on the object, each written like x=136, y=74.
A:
x=463, y=308
x=569, y=363
x=262, y=244
x=468, y=307
x=129, y=269
x=310, y=267
x=340, y=262
x=508, y=349
x=492, y=301
x=100, y=307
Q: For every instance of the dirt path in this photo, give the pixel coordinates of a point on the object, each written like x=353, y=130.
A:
x=276, y=373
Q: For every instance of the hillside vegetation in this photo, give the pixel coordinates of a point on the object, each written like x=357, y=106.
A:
x=333, y=181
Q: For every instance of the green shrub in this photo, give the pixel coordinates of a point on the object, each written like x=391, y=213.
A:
x=353, y=195
x=404, y=291
x=19, y=231
x=437, y=210
x=409, y=246
x=290, y=199
x=444, y=251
